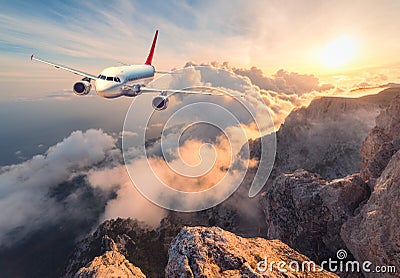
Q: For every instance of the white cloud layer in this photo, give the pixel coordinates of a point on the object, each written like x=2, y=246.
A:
x=26, y=202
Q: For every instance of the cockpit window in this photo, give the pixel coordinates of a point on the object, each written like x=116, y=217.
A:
x=109, y=78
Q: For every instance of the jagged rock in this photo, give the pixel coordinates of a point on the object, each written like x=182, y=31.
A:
x=140, y=244
x=306, y=212
x=110, y=264
x=147, y=247
x=382, y=142
x=373, y=234
x=213, y=252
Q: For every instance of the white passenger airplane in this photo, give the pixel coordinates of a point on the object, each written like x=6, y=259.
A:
x=128, y=80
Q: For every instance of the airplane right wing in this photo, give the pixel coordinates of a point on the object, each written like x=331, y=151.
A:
x=81, y=73
x=195, y=90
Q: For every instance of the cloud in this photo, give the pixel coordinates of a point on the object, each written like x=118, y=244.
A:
x=45, y=190
x=281, y=105
x=61, y=95
x=282, y=92
x=26, y=201
x=232, y=116
x=285, y=82
x=128, y=201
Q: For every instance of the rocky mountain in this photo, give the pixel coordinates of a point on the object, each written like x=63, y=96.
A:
x=323, y=140
x=110, y=264
x=141, y=245
x=381, y=143
x=359, y=213
x=128, y=248
x=373, y=234
x=325, y=137
x=213, y=252
x=376, y=238
x=307, y=212
x=314, y=210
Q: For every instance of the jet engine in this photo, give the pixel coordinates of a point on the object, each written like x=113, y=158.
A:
x=82, y=87
x=160, y=102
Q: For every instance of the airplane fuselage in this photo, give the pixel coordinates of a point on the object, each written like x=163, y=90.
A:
x=113, y=82
x=126, y=80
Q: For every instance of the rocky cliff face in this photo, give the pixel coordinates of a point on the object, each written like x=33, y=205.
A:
x=306, y=212
x=373, y=234
x=376, y=237
x=325, y=137
x=381, y=143
x=213, y=252
x=359, y=213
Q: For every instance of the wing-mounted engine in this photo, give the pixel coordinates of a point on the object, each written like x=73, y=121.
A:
x=160, y=102
x=131, y=91
x=82, y=87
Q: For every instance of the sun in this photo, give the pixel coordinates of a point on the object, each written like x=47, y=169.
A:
x=339, y=52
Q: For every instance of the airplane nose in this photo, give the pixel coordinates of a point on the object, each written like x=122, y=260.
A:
x=100, y=86
x=106, y=90
x=97, y=85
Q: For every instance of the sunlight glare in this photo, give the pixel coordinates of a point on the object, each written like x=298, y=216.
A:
x=339, y=52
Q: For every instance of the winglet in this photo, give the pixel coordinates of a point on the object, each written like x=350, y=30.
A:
x=150, y=57
x=32, y=57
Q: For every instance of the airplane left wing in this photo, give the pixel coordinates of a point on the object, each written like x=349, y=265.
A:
x=195, y=90
x=81, y=73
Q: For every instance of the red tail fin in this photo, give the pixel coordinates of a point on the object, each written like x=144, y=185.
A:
x=150, y=57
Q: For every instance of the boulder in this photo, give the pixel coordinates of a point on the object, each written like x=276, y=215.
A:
x=306, y=212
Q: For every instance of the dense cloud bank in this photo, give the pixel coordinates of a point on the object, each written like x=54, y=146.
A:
x=38, y=192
